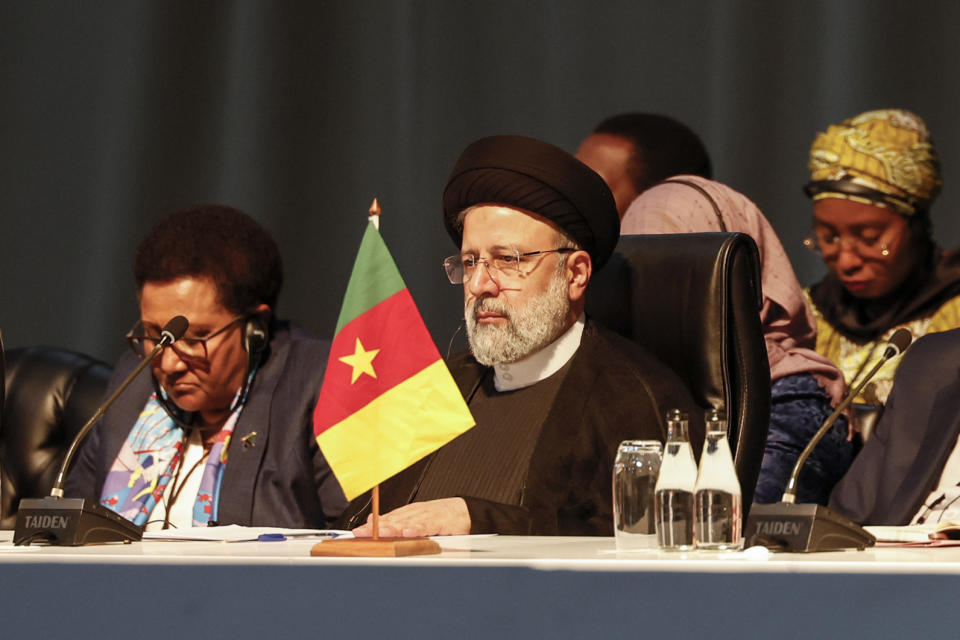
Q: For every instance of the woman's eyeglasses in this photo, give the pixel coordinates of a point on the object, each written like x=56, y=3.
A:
x=190, y=350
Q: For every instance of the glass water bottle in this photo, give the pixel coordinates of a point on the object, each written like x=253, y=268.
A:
x=719, y=504
x=675, y=486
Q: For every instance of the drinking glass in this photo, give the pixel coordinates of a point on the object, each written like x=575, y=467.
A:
x=635, y=474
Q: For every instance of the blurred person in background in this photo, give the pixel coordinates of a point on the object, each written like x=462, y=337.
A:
x=634, y=151
x=873, y=179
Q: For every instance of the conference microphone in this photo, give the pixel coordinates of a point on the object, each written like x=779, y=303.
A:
x=77, y=521
x=813, y=527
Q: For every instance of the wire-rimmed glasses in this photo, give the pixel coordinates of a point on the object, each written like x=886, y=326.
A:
x=508, y=265
x=829, y=245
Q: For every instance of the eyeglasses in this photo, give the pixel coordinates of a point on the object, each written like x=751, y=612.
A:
x=829, y=245
x=508, y=265
x=190, y=350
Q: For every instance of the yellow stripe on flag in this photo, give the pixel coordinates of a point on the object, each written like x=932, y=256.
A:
x=396, y=429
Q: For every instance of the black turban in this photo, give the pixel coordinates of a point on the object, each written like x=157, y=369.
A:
x=535, y=176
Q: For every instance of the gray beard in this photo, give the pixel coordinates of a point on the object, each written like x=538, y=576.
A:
x=527, y=330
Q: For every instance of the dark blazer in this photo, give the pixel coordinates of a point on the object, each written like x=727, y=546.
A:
x=613, y=391
x=901, y=463
x=281, y=480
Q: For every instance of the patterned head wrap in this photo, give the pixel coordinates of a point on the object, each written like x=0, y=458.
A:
x=884, y=158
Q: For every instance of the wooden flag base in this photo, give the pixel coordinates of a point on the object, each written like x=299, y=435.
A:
x=381, y=547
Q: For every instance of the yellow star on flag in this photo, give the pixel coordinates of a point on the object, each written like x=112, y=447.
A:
x=362, y=361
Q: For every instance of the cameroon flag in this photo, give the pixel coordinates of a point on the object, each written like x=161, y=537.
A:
x=387, y=398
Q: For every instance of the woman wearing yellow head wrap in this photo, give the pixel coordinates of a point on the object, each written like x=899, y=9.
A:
x=873, y=179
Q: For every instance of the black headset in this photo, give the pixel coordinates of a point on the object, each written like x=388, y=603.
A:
x=256, y=336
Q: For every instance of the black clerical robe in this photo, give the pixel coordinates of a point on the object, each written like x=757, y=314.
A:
x=612, y=391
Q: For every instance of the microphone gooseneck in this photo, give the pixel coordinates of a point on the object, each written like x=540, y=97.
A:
x=898, y=343
x=813, y=527
x=171, y=332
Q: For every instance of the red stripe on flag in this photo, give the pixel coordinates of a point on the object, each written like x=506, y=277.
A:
x=393, y=326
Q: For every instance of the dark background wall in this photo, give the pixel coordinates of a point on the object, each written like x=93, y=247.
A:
x=116, y=112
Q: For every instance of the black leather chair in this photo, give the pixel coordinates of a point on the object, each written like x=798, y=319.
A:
x=693, y=300
x=50, y=394
x=3, y=387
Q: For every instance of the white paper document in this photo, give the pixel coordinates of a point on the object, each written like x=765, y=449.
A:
x=907, y=533
x=237, y=533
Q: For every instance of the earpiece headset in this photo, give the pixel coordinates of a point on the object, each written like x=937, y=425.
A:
x=256, y=335
x=452, y=338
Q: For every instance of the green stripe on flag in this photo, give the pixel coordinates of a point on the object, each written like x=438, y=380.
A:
x=375, y=278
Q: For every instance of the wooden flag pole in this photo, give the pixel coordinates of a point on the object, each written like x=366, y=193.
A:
x=375, y=546
x=374, y=217
x=376, y=512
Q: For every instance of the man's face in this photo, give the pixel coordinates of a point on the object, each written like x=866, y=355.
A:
x=513, y=314
x=206, y=384
x=868, y=248
x=609, y=156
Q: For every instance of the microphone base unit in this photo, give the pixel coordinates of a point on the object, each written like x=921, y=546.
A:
x=803, y=528
x=71, y=522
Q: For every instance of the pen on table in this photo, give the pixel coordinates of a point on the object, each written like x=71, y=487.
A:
x=279, y=537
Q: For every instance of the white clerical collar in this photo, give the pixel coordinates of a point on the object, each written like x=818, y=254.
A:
x=540, y=365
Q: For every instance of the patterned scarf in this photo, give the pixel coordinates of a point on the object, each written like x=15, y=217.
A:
x=150, y=457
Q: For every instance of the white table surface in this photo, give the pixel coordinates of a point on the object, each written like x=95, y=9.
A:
x=536, y=552
x=497, y=586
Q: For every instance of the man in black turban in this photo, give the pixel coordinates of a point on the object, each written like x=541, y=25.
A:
x=552, y=393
